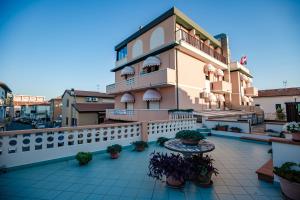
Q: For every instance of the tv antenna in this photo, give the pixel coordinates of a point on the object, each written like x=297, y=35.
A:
x=284, y=83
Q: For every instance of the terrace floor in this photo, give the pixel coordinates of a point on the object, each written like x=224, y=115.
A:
x=126, y=177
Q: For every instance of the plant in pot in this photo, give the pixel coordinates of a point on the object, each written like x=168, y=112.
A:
x=140, y=145
x=221, y=127
x=189, y=137
x=172, y=167
x=289, y=176
x=161, y=141
x=201, y=169
x=84, y=157
x=236, y=129
x=114, y=150
x=294, y=129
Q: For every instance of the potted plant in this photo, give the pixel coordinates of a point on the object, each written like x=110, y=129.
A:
x=236, y=129
x=140, y=145
x=221, y=127
x=280, y=114
x=173, y=167
x=114, y=150
x=189, y=137
x=289, y=176
x=161, y=141
x=84, y=157
x=201, y=169
x=294, y=129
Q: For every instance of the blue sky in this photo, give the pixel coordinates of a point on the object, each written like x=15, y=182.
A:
x=51, y=45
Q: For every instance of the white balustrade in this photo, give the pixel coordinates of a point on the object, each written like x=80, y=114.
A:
x=168, y=128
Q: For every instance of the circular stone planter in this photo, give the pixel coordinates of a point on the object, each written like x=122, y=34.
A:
x=296, y=136
x=290, y=189
x=114, y=155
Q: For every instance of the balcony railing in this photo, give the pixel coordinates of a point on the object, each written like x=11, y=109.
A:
x=157, y=78
x=251, y=91
x=221, y=87
x=137, y=114
x=195, y=42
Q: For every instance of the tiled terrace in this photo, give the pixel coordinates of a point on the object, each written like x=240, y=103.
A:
x=126, y=178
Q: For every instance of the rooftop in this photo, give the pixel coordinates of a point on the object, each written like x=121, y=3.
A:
x=82, y=93
x=126, y=177
x=93, y=107
x=295, y=91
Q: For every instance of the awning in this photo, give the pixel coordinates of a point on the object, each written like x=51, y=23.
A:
x=127, y=98
x=221, y=98
x=151, y=95
x=212, y=97
x=128, y=70
x=250, y=99
x=219, y=72
x=151, y=61
x=209, y=68
x=245, y=99
x=250, y=80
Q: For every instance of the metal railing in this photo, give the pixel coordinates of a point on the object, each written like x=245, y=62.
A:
x=195, y=42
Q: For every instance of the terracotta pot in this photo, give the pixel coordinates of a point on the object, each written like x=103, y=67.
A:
x=139, y=148
x=204, y=181
x=290, y=189
x=189, y=142
x=296, y=136
x=114, y=155
x=171, y=181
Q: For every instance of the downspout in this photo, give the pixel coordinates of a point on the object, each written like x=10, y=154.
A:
x=177, y=89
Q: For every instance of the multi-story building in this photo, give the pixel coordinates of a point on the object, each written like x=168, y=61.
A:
x=242, y=88
x=36, y=111
x=55, y=109
x=171, y=63
x=85, y=107
x=25, y=100
x=5, y=103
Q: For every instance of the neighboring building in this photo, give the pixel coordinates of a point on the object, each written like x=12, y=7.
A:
x=5, y=103
x=172, y=63
x=55, y=109
x=287, y=99
x=37, y=111
x=85, y=107
x=25, y=100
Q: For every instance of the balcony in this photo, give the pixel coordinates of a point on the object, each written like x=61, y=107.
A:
x=137, y=114
x=210, y=54
x=236, y=66
x=157, y=78
x=251, y=91
x=221, y=87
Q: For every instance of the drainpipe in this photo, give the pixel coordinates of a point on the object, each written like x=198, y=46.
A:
x=177, y=89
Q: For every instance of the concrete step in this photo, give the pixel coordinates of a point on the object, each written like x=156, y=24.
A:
x=255, y=139
x=265, y=172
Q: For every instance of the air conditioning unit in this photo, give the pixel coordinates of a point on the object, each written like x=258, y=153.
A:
x=95, y=99
x=89, y=99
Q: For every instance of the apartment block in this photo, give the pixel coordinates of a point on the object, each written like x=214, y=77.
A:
x=172, y=63
x=55, y=109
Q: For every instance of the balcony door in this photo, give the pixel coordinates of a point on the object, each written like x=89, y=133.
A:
x=129, y=106
x=153, y=105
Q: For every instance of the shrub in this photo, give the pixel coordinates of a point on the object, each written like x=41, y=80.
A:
x=84, y=157
x=202, y=166
x=161, y=141
x=221, y=127
x=162, y=164
x=236, y=129
x=280, y=114
x=289, y=171
x=189, y=135
x=113, y=149
x=140, y=145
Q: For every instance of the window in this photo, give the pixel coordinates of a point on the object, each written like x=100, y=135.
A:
x=151, y=69
x=68, y=102
x=207, y=77
x=277, y=106
x=153, y=105
x=121, y=53
x=67, y=121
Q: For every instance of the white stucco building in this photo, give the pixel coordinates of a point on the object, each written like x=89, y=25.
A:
x=287, y=99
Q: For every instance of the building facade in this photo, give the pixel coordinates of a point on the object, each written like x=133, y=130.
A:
x=172, y=63
x=287, y=99
x=55, y=109
x=25, y=100
x=84, y=107
x=5, y=104
x=36, y=111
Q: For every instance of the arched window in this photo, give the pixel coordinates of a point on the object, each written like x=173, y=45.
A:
x=137, y=48
x=157, y=38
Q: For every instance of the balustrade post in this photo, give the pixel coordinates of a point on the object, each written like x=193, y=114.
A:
x=144, y=131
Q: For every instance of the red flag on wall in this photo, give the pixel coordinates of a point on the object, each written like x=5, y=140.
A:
x=243, y=60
